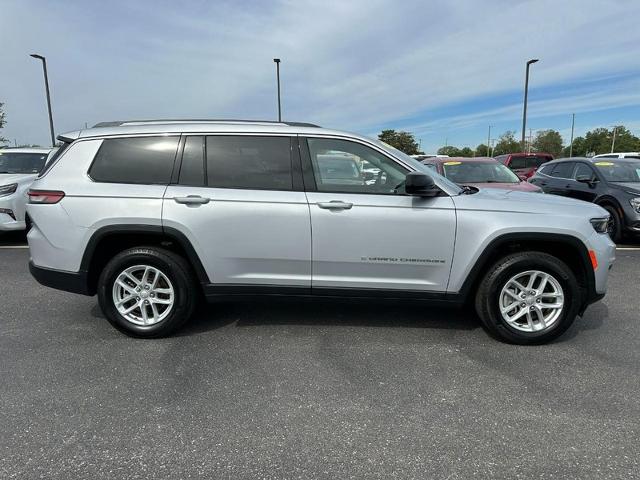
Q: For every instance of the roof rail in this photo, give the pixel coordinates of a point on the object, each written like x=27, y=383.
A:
x=200, y=120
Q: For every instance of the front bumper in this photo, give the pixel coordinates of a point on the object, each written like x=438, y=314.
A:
x=74, y=282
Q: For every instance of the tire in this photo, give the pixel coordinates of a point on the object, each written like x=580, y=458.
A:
x=615, y=224
x=170, y=298
x=491, y=295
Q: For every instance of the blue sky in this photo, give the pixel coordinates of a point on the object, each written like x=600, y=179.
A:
x=443, y=70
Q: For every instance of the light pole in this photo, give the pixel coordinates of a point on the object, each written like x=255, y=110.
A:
x=573, y=122
x=526, y=92
x=489, y=141
x=277, y=62
x=613, y=141
x=46, y=85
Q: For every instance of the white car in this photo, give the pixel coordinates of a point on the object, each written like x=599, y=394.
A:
x=19, y=167
x=619, y=155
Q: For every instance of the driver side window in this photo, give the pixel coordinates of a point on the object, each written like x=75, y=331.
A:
x=342, y=166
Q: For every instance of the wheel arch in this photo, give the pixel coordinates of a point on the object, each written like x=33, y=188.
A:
x=570, y=249
x=109, y=240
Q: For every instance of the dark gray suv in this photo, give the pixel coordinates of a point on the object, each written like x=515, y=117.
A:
x=614, y=184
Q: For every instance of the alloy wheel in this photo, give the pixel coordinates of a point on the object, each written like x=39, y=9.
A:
x=143, y=295
x=531, y=301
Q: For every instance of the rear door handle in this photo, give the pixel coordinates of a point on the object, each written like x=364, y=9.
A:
x=191, y=200
x=335, y=205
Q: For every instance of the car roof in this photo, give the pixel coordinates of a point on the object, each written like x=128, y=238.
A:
x=201, y=126
x=589, y=160
x=608, y=155
x=525, y=154
x=25, y=150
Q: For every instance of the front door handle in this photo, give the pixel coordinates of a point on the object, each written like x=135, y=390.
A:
x=191, y=200
x=335, y=205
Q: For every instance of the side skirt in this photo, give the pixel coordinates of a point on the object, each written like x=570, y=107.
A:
x=214, y=292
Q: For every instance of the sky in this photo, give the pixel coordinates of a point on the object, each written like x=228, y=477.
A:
x=443, y=70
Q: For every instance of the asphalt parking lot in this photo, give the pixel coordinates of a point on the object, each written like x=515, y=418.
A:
x=300, y=389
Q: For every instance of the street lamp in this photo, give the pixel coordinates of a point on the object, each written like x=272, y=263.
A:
x=573, y=122
x=277, y=62
x=46, y=86
x=526, y=91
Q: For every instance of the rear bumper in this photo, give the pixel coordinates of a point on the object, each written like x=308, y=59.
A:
x=74, y=282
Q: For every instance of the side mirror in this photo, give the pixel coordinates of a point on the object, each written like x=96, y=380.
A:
x=421, y=185
x=368, y=176
x=589, y=180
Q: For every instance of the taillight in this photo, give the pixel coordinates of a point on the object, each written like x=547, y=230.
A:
x=45, y=196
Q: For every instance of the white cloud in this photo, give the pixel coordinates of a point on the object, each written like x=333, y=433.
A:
x=354, y=65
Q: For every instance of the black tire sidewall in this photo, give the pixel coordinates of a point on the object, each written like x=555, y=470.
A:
x=520, y=264
x=616, y=235
x=169, y=266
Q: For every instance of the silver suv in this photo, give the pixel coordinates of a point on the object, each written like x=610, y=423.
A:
x=151, y=215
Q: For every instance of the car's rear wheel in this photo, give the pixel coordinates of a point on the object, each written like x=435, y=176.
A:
x=528, y=298
x=147, y=292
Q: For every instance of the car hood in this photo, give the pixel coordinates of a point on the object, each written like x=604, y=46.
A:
x=494, y=199
x=627, y=187
x=9, y=178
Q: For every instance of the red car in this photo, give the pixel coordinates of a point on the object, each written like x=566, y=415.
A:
x=524, y=164
x=479, y=172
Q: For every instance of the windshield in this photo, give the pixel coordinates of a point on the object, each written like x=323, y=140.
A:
x=627, y=171
x=418, y=166
x=16, y=162
x=478, y=172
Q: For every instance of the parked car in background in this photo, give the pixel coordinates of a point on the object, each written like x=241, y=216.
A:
x=524, y=164
x=423, y=156
x=483, y=172
x=19, y=167
x=153, y=215
x=619, y=155
x=612, y=184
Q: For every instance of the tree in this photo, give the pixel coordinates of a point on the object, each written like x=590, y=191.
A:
x=466, y=152
x=482, y=151
x=2, y=121
x=403, y=141
x=507, y=143
x=449, y=150
x=548, y=141
x=600, y=140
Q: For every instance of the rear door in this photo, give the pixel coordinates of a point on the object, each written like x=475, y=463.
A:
x=239, y=200
x=561, y=179
x=372, y=236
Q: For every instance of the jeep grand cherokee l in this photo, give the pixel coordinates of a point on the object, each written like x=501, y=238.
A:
x=152, y=215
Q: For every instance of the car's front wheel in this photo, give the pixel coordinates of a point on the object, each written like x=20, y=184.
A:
x=528, y=298
x=146, y=292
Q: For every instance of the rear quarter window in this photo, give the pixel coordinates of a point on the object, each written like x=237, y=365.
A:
x=140, y=160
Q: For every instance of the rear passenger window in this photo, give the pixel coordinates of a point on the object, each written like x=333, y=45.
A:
x=562, y=170
x=192, y=167
x=142, y=160
x=517, y=162
x=259, y=163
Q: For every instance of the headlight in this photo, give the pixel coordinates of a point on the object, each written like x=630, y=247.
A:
x=600, y=224
x=8, y=189
x=635, y=204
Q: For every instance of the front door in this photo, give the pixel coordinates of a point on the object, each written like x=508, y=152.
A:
x=367, y=233
x=237, y=201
